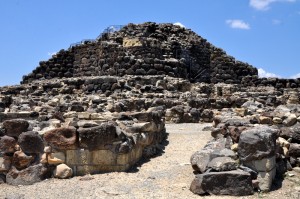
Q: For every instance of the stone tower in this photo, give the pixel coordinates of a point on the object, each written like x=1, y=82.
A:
x=145, y=49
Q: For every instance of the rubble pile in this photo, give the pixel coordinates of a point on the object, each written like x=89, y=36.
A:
x=46, y=133
x=252, y=146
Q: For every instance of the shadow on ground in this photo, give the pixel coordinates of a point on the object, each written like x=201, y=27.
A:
x=160, y=150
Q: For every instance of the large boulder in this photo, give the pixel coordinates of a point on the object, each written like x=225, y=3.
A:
x=61, y=138
x=98, y=137
x=236, y=182
x=28, y=176
x=200, y=159
x=15, y=127
x=257, y=143
x=31, y=142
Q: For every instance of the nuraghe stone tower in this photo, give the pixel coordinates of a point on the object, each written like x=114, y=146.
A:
x=146, y=49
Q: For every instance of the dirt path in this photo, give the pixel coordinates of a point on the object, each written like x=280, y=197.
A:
x=165, y=176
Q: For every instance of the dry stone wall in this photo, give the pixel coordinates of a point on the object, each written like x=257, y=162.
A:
x=146, y=49
x=107, y=123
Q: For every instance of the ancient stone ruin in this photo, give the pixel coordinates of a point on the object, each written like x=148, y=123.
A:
x=102, y=104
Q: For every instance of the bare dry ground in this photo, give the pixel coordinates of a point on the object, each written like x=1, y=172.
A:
x=166, y=176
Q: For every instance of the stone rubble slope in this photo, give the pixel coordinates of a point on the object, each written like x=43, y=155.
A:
x=146, y=49
x=257, y=139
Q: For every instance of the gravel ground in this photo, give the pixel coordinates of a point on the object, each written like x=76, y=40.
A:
x=166, y=176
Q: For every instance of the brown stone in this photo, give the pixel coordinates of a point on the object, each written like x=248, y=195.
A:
x=31, y=142
x=21, y=160
x=15, y=127
x=61, y=138
x=265, y=120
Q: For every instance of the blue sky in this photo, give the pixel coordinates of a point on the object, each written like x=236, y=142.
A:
x=264, y=33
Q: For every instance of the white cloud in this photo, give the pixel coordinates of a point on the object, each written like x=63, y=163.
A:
x=265, y=4
x=51, y=54
x=263, y=73
x=238, y=24
x=296, y=76
x=179, y=24
x=276, y=22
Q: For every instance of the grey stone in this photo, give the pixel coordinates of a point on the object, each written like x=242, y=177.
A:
x=248, y=170
x=263, y=165
x=97, y=137
x=200, y=160
x=28, y=176
x=290, y=120
x=196, y=185
x=224, y=153
x=236, y=182
x=222, y=164
x=87, y=123
x=257, y=143
x=265, y=179
x=295, y=131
